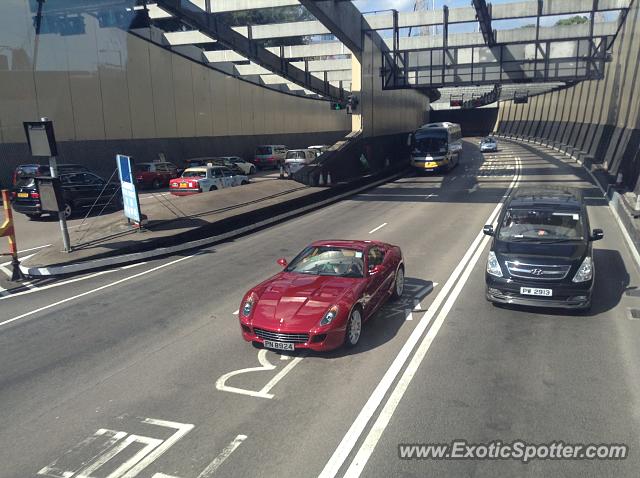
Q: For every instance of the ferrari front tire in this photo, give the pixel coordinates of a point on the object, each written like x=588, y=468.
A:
x=398, y=283
x=354, y=328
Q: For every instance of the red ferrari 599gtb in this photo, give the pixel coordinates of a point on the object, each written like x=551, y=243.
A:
x=321, y=299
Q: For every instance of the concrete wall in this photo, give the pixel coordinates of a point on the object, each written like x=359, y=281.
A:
x=598, y=117
x=382, y=113
x=108, y=91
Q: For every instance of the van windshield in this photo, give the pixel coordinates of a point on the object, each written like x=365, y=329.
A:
x=264, y=150
x=541, y=225
x=295, y=155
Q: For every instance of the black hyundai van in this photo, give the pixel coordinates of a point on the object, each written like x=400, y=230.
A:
x=541, y=254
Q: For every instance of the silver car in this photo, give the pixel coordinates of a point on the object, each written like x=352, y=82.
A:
x=488, y=145
x=296, y=159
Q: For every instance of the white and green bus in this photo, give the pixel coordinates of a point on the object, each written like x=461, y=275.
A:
x=436, y=147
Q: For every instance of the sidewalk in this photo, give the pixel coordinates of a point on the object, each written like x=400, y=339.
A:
x=180, y=223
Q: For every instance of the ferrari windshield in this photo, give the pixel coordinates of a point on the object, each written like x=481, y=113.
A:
x=328, y=261
x=541, y=225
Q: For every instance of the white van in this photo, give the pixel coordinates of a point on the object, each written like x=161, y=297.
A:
x=298, y=158
x=270, y=155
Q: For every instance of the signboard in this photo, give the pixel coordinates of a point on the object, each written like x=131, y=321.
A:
x=50, y=191
x=41, y=139
x=129, y=192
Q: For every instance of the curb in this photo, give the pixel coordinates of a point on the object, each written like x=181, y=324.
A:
x=613, y=199
x=164, y=251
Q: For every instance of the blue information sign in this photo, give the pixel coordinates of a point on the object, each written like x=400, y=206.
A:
x=129, y=192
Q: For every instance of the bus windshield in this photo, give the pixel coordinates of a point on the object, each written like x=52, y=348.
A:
x=430, y=144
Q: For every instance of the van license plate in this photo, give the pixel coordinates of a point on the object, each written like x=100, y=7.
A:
x=536, y=291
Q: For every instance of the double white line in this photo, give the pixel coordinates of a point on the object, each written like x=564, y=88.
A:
x=447, y=296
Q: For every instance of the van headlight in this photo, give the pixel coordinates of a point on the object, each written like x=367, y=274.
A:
x=585, y=272
x=331, y=314
x=493, y=266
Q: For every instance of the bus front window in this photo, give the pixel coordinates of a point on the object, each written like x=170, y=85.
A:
x=430, y=145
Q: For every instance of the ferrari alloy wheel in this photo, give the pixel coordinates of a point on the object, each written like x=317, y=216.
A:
x=398, y=285
x=354, y=328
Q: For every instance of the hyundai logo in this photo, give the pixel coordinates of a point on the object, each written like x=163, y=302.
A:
x=536, y=272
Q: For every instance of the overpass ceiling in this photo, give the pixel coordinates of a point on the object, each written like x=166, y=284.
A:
x=323, y=63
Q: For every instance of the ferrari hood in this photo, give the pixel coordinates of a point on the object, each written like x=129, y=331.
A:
x=292, y=300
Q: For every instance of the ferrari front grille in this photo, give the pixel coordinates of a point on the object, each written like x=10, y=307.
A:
x=281, y=337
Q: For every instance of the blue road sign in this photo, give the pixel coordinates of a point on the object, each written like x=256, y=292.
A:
x=129, y=192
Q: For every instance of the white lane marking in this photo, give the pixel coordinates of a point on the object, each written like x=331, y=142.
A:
x=377, y=228
x=274, y=381
x=181, y=430
x=236, y=312
x=372, y=439
x=57, y=284
x=350, y=439
x=3, y=292
x=265, y=366
x=106, y=286
x=431, y=196
x=6, y=271
x=29, y=285
x=229, y=449
x=162, y=475
x=408, y=314
x=131, y=266
x=33, y=248
x=19, y=258
x=473, y=189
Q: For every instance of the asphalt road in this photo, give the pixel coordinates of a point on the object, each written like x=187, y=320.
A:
x=126, y=372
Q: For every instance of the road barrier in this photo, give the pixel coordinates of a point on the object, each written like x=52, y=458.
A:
x=7, y=230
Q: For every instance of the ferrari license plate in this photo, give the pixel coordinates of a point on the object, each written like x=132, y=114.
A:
x=278, y=345
x=536, y=291
x=23, y=195
x=184, y=185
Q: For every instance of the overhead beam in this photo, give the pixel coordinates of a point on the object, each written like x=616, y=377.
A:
x=385, y=21
x=343, y=19
x=483, y=14
x=207, y=23
x=312, y=50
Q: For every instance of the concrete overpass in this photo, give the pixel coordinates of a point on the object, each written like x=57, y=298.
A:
x=169, y=77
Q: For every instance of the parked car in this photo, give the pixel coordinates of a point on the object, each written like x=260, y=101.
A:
x=81, y=190
x=233, y=162
x=270, y=156
x=156, y=174
x=488, y=144
x=298, y=158
x=541, y=254
x=205, y=178
x=321, y=299
x=32, y=170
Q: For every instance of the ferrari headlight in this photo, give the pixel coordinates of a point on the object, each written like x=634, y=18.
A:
x=331, y=314
x=585, y=272
x=247, y=307
x=493, y=266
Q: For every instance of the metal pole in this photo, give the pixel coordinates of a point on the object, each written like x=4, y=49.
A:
x=53, y=168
